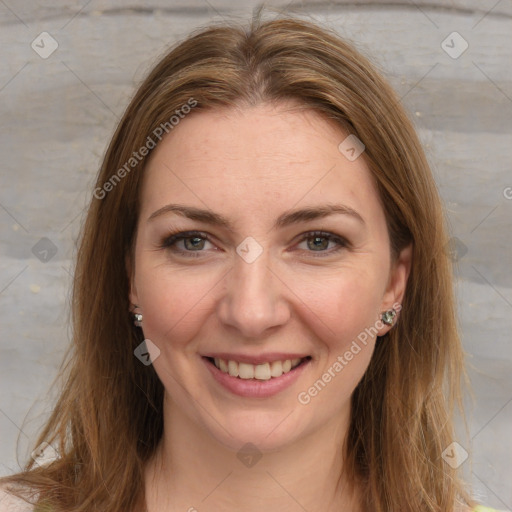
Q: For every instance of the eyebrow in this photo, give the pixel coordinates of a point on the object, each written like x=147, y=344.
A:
x=286, y=219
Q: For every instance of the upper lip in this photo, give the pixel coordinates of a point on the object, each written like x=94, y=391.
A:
x=255, y=359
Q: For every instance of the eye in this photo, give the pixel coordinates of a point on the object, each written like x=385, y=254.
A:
x=187, y=242
x=321, y=242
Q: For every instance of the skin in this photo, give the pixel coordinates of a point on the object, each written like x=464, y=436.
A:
x=252, y=165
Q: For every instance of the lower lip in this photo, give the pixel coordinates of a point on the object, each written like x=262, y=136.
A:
x=254, y=388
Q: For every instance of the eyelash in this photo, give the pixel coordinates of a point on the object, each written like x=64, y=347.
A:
x=171, y=240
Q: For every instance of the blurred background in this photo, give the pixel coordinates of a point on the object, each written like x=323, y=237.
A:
x=67, y=72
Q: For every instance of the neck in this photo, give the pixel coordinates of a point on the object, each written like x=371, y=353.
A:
x=191, y=471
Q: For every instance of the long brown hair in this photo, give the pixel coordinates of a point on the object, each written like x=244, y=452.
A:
x=108, y=420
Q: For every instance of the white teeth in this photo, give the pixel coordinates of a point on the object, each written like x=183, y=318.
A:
x=246, y=371
x=232, y=367
x=276, y=368
x=263, y=371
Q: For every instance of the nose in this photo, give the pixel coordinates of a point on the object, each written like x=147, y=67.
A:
x=254, y=302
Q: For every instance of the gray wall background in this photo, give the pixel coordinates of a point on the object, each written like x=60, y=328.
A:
x=58, y=112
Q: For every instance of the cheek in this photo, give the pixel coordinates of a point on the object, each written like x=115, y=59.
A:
x=340, y=307
x=341, y=313
x=176, y=302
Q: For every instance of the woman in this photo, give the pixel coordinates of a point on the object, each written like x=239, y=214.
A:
x=265, y=219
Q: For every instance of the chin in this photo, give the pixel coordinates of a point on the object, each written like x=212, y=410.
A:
x=267, y=432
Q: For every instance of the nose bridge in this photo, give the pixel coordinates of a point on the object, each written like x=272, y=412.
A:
x=254, y=300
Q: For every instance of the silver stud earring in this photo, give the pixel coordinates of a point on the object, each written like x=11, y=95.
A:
x=137, y=319
x=388, y=317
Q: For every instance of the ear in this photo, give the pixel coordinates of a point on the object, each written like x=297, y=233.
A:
x=130, y=272
x=397, y=283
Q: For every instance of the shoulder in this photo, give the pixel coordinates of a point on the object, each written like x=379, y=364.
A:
x=481, y=508
x=478, y=508
x=11, y=503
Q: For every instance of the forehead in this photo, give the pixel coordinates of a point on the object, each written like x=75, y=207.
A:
x=265, y=157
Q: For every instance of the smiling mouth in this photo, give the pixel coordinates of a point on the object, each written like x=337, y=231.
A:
x=265, y=371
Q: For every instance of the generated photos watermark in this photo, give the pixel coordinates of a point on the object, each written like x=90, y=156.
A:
x=147, y=352
x=351, y=148
x=454, y=455
x=305, y=397
x=137, y=156
x=44, y=454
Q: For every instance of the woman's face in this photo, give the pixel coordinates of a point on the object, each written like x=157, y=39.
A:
x=259, y=244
